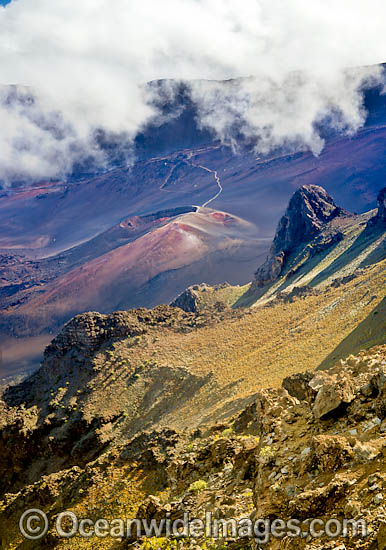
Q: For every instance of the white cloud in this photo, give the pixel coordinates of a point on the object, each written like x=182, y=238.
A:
x=284, y=112
x=86, y=60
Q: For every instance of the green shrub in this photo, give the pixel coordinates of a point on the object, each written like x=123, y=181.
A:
x=267, y=452
x=198, y=486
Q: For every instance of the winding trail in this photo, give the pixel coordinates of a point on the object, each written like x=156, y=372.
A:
x=164, y=184
x=188, y=161
x=216, y=177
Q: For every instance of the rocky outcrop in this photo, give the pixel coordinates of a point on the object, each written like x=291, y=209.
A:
x=187, y=300
x=298, y=385
x=382, y=204
x=198, y=298
x=314, y=448
x=271, y=269
x=85, y=333
x=333, y=392
x=75, y=347
x=328, y=453
x=296, y=293
x=309, y=210
x=380, y=217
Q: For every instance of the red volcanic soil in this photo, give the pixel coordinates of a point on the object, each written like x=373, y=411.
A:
x=29, y=192
x=93, y=243
x=226, y=219
x=80, y=210
x=112, y=280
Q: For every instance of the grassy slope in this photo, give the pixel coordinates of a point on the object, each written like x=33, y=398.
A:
x=317, y=266
x=370, y=332
x=268, y=343
x=244, y=351
x=261, y=347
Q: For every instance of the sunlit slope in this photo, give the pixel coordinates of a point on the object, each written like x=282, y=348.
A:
x=267, y=343
x=344, y=247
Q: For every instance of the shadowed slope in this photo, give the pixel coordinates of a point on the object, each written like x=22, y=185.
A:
x=370, y=332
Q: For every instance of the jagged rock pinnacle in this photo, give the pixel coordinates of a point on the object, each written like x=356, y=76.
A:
x=309, y=209
x=381, y=215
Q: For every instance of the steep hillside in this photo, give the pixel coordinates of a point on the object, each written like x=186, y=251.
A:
x=49, y=228
x=99, y=435
x=330, y=289
x=317, y=243
x=212, y=407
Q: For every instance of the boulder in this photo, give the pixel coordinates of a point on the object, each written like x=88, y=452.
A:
x=332, y=394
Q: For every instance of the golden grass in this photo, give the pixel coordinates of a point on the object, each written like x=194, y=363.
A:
x=269, y=343
x=256, y=350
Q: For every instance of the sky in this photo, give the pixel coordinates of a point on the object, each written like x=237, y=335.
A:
x=86, y=63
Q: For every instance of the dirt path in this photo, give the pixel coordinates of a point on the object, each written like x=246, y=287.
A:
x=216, y=177
x=164, y=184
x=191, y=163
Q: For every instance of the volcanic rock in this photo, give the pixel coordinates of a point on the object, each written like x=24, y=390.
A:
x=381, y=214
x=309, y=209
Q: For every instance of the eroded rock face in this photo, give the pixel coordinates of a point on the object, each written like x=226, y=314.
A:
x=381, y=215
x=333, y=393
x=198, y=298
x=187, y=301
x=86, y=332
x=271, y=269
x=329, y=453
x=298, y=385
x=309, y=209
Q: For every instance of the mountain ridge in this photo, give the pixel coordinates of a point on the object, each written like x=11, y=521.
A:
x=36, y=218
x=309, y=209
x=153, y=411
